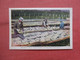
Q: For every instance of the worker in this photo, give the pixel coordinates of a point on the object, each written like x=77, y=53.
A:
x=61, y=25
x=21, y=24
x=44, y=22
x=16, y=27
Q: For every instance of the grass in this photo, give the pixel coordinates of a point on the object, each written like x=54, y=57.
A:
x=65, y=42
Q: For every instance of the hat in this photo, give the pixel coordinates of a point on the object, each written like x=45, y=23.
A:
x=21, y=18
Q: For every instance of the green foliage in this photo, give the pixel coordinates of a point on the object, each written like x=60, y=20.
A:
x=39, y=14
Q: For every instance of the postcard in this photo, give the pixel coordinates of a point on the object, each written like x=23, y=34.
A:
x=40, y=28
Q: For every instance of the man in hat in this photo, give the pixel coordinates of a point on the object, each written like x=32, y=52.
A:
x=18, y=25
x=44, y=22
x=61, y=24
x=21, y=24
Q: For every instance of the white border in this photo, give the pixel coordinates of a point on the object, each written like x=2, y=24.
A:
x=41, y=48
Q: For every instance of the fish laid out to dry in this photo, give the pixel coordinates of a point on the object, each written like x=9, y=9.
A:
x=47, y=36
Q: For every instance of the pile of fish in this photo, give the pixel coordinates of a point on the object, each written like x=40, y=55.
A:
x=40, y=28
x=44, y=36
